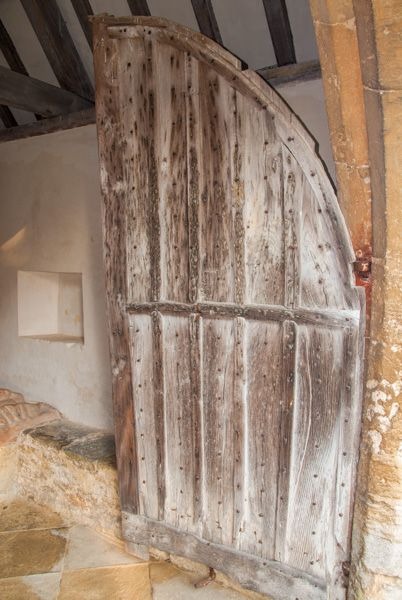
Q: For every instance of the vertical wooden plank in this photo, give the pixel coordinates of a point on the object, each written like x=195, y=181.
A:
x=238, y=197
x=146, y=396
x=218, y=359
x=134, y=119
x=349, y=423
x=293, y=188
x=115, y=193
x=241, y=473
x=196, y=369
x=153, y=198
x=310, y=540
x=324, y=275
x=263, y=190
x=194, y=165
x=171, y=168
x=264, y=389
x=287, y=404
x=216, y=224
x=158, y=372
x=179, y=423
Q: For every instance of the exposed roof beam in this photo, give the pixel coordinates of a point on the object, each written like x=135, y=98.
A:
x=10, y=52
x=7, y=117
x=83, y=10
x=11, y=55
x=281, y=33
x=204, y=13
x=70, y=121
x=299, y=72
x=139, y=8
x=37, y=96
x=55, y=39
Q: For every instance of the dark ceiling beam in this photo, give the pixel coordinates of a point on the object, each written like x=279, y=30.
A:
x=280, y=30
x=305, y=71
x=11, y=55
x=70, y=121
x=139, y=8
x=37, y=96
x=83, y=10
x=204, y=13
x=10, y=51
x=51, y=30
x=7, y=117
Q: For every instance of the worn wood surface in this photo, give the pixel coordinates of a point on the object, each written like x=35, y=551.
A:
x=229, y=280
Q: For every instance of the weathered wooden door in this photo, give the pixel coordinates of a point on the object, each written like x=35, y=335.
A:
x=235, y=326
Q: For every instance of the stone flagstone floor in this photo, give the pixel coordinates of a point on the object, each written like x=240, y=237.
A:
x=44, y=558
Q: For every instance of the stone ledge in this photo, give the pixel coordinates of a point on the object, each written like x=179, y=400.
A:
x=72, y=469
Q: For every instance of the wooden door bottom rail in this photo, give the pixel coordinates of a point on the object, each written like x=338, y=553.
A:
x=264, y=576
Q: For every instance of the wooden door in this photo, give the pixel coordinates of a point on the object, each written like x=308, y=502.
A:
x=235, y=326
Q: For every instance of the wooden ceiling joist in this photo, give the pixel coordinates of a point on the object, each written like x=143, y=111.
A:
x=7, y=117
x=12, y=57
x=37, y=96
x=280, y=30
x=10, y=52
x=83, y=10
x=51, y=30
x=60, y=123
x=204, y=13
x=305, y=71
x=139, y=8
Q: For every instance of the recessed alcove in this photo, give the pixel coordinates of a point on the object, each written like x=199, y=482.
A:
x=50, y=306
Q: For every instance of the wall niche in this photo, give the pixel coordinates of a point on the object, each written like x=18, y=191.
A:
x=50, y=306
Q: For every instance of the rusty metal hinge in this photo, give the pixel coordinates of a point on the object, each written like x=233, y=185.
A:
x=362, y=265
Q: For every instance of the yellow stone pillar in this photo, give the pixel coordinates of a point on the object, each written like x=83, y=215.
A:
x=360, y=44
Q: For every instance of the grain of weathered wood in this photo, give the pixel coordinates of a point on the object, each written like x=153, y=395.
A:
x=137, y=173
x=293, y=196
x=270, y=577
x=170, y=143
x=160, y=377
x=216, y=218
x=263, y=211
x=115, y=193
x=245, y=368
x=194, y=165
x=218, y=417
x=145, y=343
x=263, y=357
x=328, y=317
x=179, y=424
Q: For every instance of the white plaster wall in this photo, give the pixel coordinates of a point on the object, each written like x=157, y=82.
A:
x=50, y=221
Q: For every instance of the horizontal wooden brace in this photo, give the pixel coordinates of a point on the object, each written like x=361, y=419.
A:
x=69, y=121
x=327, y=317
x=304, y=71
x=264, y=576
x=37, y=96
